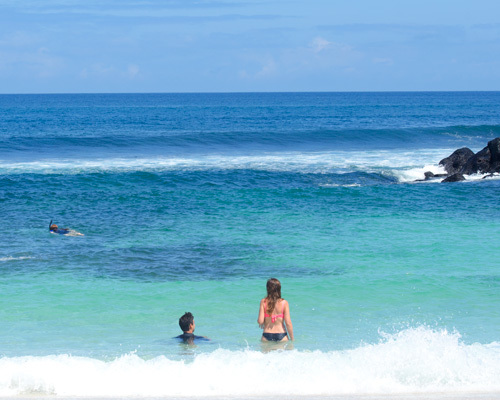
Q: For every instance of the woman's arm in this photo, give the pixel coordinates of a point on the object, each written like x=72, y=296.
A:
x=288, y=321
x=260, y=319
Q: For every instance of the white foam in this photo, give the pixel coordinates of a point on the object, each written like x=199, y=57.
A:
x=332, y=185
x=301, y=162
x=4, y=259
x=480, y=177
x=418, y=173
x=419, y=360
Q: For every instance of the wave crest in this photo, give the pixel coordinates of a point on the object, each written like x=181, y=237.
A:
x=416, y=360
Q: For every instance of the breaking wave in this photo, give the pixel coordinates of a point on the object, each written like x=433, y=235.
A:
x=416, y=360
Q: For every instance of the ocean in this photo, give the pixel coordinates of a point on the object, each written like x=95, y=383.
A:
x=190, y=202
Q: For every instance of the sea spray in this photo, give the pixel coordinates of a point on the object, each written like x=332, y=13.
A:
x=416, y=360
x=402, y=166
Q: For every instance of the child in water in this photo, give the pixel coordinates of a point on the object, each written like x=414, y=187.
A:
x=187, y=325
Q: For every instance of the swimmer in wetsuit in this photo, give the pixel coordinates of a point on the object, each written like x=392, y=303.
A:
x=274, y=315
x=53, y=228
x=187, y=325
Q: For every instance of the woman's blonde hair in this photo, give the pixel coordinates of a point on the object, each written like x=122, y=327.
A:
x=273, y=293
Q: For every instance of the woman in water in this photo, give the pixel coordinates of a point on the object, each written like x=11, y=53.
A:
x=274, y=315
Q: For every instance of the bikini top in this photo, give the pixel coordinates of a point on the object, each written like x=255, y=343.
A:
x=274, y=316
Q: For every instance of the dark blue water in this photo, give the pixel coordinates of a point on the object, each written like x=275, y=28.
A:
x=155, y=124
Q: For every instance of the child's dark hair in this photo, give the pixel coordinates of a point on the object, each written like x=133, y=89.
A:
x=185, y=321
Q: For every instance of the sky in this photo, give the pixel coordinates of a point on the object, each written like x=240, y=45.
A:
x=129, y=46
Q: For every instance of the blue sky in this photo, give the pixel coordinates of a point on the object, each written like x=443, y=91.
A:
x=65, y=46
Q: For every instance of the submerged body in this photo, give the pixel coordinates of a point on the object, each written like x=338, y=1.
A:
x=191, y=337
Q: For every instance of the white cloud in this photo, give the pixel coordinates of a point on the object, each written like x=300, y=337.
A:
x=267, y=69
x=319, y=44
x=38, y=63
x=258, y=67
x=323, y=49
x=97, y=69
x=133, y=71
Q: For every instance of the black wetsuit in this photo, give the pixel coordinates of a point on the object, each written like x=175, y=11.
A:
x=190, y=337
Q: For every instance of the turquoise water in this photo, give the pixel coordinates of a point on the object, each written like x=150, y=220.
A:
x=191, y=202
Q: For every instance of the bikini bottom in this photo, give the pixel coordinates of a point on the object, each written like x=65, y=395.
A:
x=274, y=337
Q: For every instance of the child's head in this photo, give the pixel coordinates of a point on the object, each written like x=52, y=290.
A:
x=186, y=321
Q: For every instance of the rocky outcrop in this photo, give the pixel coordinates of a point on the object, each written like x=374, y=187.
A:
x=454, y=163
x=454, y=178
x=478, y=163
x=494, y=147
x=464, y=162
x=431, y=176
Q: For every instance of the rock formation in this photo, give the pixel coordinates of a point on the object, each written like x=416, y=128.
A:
x=454, y=178
x=464, y=162
x=454, y=163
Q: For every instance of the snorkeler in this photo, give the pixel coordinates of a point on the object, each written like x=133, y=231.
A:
x=53, y=228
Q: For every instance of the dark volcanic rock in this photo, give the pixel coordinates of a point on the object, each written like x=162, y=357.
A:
x=485, y=161
x=478, y=163
x=464, y=162
x=456, y=161
x=494, y=147
x=454, y=178
x=430, y=175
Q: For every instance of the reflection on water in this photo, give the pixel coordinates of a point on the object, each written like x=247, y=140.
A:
x=187, y=348
x=267, y=347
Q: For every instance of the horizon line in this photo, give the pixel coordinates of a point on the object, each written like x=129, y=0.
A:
x=249, y=92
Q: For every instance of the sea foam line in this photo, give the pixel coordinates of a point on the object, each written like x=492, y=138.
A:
x=417, y=360
x=10, y=258
x=307, y=162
